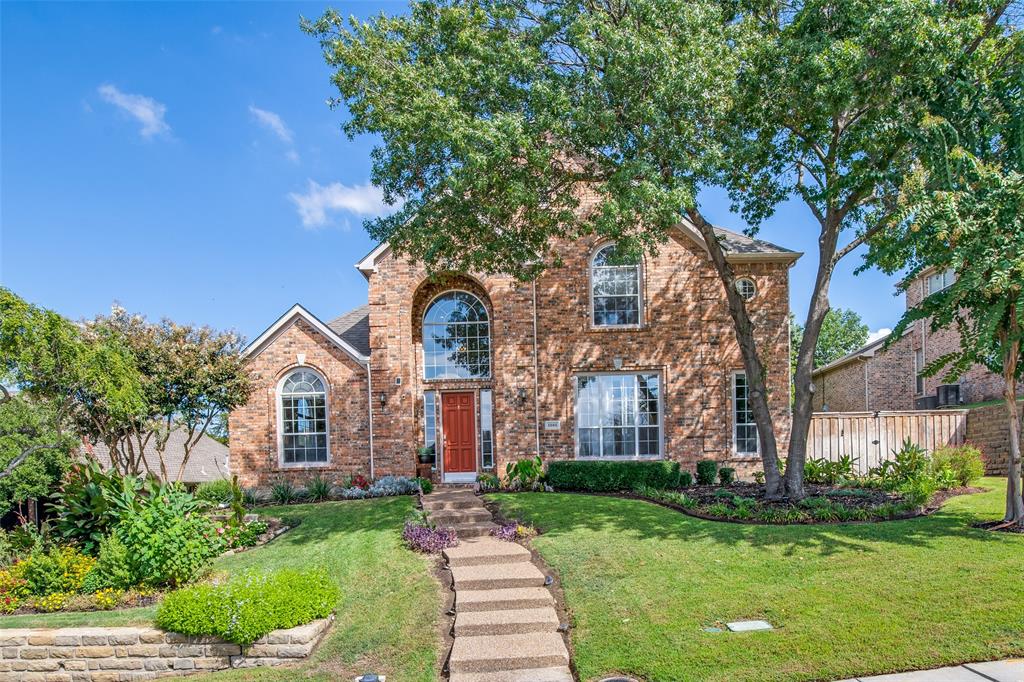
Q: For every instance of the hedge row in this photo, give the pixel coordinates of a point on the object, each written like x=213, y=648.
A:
x=612, y=476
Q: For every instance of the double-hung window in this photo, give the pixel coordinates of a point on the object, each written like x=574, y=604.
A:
x=303, y=409
x=941, y=280
x=618, y=415
x=615, y=289
x=744, y=434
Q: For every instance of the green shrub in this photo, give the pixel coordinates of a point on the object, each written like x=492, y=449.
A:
x=318, y=488
x=283, y=492
x=168, y=542
x=61, y=569
x=918, y=491
x=727, y=475
x=214, y=492
x=525, y=474
x=964, y=463
x=910, y=462
x=707, y=470
x=112, y=569
x=825, y=472
x=426, y=485
x=612, y=476
x=685, y=479
x=249, y=606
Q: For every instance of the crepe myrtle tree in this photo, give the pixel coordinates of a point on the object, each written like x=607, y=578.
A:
x=495, y=117
x=963, y=207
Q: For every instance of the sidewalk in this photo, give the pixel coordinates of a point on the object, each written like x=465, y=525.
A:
x=1011, y=670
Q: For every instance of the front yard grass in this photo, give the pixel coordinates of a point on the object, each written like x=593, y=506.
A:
x=386, y=620
x=641, y=581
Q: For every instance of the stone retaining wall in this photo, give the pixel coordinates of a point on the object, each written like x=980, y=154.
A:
x=988, y=428
x=140, y=653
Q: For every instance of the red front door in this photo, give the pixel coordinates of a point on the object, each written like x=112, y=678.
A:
x=458, y=419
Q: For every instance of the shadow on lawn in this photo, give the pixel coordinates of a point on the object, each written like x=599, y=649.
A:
x=556, y=514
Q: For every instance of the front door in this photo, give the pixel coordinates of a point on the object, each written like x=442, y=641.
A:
x=458, y=420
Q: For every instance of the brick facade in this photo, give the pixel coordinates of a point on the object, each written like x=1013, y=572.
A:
x=686, y=338
x=988, y=429
x=873, y=380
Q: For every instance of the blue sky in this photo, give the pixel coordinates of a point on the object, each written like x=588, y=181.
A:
x=180, y=159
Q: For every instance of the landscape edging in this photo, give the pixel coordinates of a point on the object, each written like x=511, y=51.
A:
x=92, y=654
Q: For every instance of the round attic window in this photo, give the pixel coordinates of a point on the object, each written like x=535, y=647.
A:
x=746, y=288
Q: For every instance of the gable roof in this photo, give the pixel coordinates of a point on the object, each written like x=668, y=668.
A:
x=739, y=248
x=208, y=460
x=354, y=327
x=862, y=353
x=295, y=313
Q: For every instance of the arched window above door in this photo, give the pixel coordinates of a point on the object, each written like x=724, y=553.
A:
x=456, y=338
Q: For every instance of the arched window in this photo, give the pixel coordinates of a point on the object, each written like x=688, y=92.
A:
x=746, y=288
x=302, y=402
x=456, y=338
x=615, y=289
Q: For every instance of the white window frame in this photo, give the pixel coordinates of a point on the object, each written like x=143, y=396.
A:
x=637, y=426
x=735, y=424
x=918, y=367
x=279, y=401
x=753, y=287
x=490, y=339
x=945, y=278
x=639, y=290
x=488, y=417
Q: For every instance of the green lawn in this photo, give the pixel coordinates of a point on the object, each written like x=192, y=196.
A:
x=387, y=620
x=641, y=582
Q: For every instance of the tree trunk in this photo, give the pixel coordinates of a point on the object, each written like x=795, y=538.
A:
x=752, y=365
x=803, y=390
x=1014, y=494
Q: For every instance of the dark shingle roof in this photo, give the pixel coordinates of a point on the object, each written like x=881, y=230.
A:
x=208, y=460
x=735, y=242
x=354, y=328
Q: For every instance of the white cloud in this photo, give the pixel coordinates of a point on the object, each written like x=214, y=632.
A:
x=145, y=110
x=292, y=155
x=272, y=122
x=875, y=335
x=318, y=201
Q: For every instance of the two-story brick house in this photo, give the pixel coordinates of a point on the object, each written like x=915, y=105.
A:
x=889, y=377
x=594, y=360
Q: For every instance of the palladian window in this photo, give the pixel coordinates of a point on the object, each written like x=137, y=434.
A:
x=303, y=410
x=615, y=289
x=456, y=338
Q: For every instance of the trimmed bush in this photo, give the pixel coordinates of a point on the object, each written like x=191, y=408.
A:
x=250, y=606
x=214, y=492
x=727, y=475
x=685, y=479
x=707, y=470
x=612, y=476
x=964, y=463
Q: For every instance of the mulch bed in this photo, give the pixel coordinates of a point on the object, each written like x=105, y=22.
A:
x=1001, y=527
x=864, y=498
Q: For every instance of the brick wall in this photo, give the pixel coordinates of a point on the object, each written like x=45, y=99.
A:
x=989, y=429
x=126, y=654
x=841, y=389
x=255, y=455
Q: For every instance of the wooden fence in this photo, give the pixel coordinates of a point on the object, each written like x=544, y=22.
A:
x=871, y=437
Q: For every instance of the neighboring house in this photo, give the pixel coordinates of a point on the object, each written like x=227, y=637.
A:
x=594, y=360
x=876, y=377
x=208, y=460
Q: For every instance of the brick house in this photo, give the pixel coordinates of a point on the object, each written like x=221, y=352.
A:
x=876, y=377
x=596, y=359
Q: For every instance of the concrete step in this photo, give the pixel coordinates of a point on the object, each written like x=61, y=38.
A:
x=473, y=530
x=497, y=576
x=451, y=517
x=559, y=674
x=485, y=551
x=495, y=653
x=505, y=598
x=463, y=502
x=507, y=622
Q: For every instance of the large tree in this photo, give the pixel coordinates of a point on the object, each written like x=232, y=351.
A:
x=495, y=116
x=842, y=332
x=963, y=207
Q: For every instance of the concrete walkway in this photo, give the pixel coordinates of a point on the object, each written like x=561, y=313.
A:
x=992, y=671
x=506, y=626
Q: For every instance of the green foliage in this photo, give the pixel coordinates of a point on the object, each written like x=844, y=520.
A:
x=30, y=426
x=426, y=485
x=112, y=569
x=318, y=488
x=237, y=502
x=61, y=569
x=283, y=492
x=842, y=332
x=685, y=479
x=826, y=472
x=214, y=492
x=250, y=605
x=707, y=470
x=726, y=475
x=168, y=541
x=92, y=502
x=909, y=463
x=612, y=476
x=488, y=481
x=525, y=474
x=963, y=462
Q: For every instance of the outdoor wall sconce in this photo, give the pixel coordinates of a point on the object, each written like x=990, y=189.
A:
x=383, y=398
x=617, y=362
x=521, y=397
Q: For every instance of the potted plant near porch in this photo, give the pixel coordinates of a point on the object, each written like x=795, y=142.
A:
x=425, y=454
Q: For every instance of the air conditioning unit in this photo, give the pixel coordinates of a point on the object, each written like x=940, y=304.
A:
x=927, y=402
x=947, y=395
